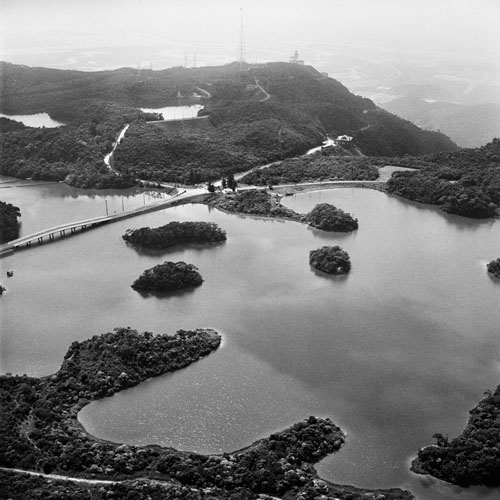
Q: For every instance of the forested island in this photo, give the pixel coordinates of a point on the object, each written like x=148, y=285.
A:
x=465, y=182
x=331, y=260
x=40, y=432
x=328, y=217
x=494, y=268
x=472, y=458
x=241, y=129
x=175, y=233
x=254, y=202
x=167, y=277
x=9, y=225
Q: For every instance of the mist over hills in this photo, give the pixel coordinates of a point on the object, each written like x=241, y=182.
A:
x=467, y=125
x=256, y=114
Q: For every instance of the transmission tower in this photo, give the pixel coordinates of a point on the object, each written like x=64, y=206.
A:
x=242, y=47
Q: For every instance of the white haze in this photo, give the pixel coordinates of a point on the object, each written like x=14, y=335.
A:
x=457, y=38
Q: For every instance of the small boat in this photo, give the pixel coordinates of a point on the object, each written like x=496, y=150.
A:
x=10, y=274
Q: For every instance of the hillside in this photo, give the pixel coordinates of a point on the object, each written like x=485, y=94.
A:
x=469, y=126
x=256, y=114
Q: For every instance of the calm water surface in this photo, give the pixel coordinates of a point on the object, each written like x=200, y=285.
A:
x=176, y=112
x=400, y=349
x=35, y=120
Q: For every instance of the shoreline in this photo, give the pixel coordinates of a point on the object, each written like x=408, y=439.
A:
x=281, y=464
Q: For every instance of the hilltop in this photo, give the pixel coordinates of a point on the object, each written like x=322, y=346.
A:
x=255, y=114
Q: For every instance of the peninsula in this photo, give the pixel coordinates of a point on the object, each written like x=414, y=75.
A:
x=41, y=433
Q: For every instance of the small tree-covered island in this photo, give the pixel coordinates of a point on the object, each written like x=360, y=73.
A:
x=175, y=233
x=330, y=260
x=40, y=432
x=493, y=268
x=330, y=218
x=167, y=277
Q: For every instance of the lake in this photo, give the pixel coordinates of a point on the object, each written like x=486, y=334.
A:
x=176, y=112
x=396, y=351
x=36, y=120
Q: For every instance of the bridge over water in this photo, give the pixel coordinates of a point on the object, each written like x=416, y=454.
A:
x=68, y=229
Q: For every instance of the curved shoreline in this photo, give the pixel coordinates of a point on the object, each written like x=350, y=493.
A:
x=290, y=453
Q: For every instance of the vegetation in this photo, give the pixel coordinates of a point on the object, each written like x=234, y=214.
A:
x=8, y=125
x=40, y=432
x=494, y=268
x=167, y=277
x=330, y=218
x=9, y=226
x=315, y=167
x=2, y=289
x=237, y=136
x=241, y=130
x=255, y=202
x=474, y=456
x=465, y=182
x=175, y=233
x=331, y=260
x=73, y=153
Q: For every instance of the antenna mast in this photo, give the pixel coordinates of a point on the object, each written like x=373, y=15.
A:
x=241, y=37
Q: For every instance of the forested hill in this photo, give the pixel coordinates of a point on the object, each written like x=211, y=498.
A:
x=257, y=113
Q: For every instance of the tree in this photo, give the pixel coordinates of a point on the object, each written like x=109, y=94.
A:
x=231, y=182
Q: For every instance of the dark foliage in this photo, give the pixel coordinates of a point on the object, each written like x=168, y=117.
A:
x=331, y=260
x=40, y=432
x=256, y=202
x=466, y=182
x=315, y=167
x=474, y=456
x=175, y=233
x=9, y=226
x=8, y=125
x=494, y=268
x=74, y=153
x=240, y=135
x=330, y=218
x=241, y=131
x=168, y=276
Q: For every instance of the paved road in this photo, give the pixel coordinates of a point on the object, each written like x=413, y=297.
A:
x=183, y=197
x=61, y=478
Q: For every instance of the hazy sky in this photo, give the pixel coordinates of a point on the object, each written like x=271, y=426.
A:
x=211, y=28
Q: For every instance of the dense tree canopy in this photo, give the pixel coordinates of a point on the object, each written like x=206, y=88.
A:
x=175, y=233
x=242, y=130
x=331, y=260
x=40, y=432
x=315, y=167
x=168, y=276
x=474, y=456
x=9, y=226
x=330, y=218
x=256, y=202
x=466, y=182
x=494, y=268
x=75, y=152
